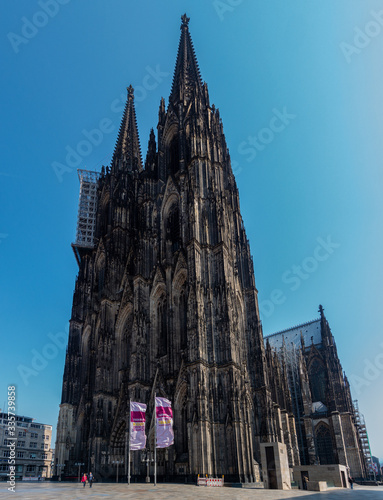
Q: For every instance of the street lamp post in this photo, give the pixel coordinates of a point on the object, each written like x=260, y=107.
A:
x=117, y=462
x=79, y=465
x=59, y=466
x=147, y=457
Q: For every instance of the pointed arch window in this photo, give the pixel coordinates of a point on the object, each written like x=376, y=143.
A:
x=123, y=337
x=100, y=275
x=142, y=218
x=85, y=353
x=324, y=445
x=173, y=230
x=204, y=228
x=118, y=443
x=103, y=219
x=174, y=156
x=162, y=328
x=183, y=308
x=183, y=435
x=318, y=381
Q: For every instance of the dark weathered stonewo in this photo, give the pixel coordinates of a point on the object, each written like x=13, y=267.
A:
x=319, y=395
x=166, y=301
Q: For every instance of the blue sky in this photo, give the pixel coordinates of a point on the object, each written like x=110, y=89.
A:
x=316, y=181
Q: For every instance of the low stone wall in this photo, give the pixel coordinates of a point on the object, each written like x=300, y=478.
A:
x=332, y=474
x=317, y=486
x=258, y=484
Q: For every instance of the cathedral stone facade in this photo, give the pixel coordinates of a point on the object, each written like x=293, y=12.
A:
x=326, y=420
x=166, y=300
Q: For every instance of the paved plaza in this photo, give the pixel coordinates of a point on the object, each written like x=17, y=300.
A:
x=70, y=491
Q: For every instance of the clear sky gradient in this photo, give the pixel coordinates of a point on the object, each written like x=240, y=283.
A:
x=310, y=179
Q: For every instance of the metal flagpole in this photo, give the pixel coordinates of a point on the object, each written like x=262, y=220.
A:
x=155, y=440
x=129, y=444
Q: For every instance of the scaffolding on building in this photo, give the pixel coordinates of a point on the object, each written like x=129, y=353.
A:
x=363, y=437
x=87, y=211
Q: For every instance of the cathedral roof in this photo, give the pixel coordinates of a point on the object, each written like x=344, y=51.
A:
x=311, y=333
x=186, y=73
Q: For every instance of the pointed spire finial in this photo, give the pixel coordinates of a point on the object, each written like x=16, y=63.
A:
x=128, y=144
x=185, y=20
x=187, y=78
x=130, y=90
x=151, y=154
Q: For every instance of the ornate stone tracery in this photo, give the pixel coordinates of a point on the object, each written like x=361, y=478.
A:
x=167, y=297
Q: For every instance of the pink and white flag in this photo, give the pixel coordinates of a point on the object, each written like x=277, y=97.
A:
x=137, y=426
x=164, y=422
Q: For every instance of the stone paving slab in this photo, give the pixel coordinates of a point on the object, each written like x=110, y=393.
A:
x=101, y=491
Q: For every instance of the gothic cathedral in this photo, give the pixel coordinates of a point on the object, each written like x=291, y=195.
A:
x=165, y=301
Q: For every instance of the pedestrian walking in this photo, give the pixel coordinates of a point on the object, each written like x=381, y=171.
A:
x=90, y=479
x=351, y=481
x=83, y=480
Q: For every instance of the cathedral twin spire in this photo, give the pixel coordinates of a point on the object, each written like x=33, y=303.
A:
x=186, y=73
x=185, y=80
x=128, y=144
